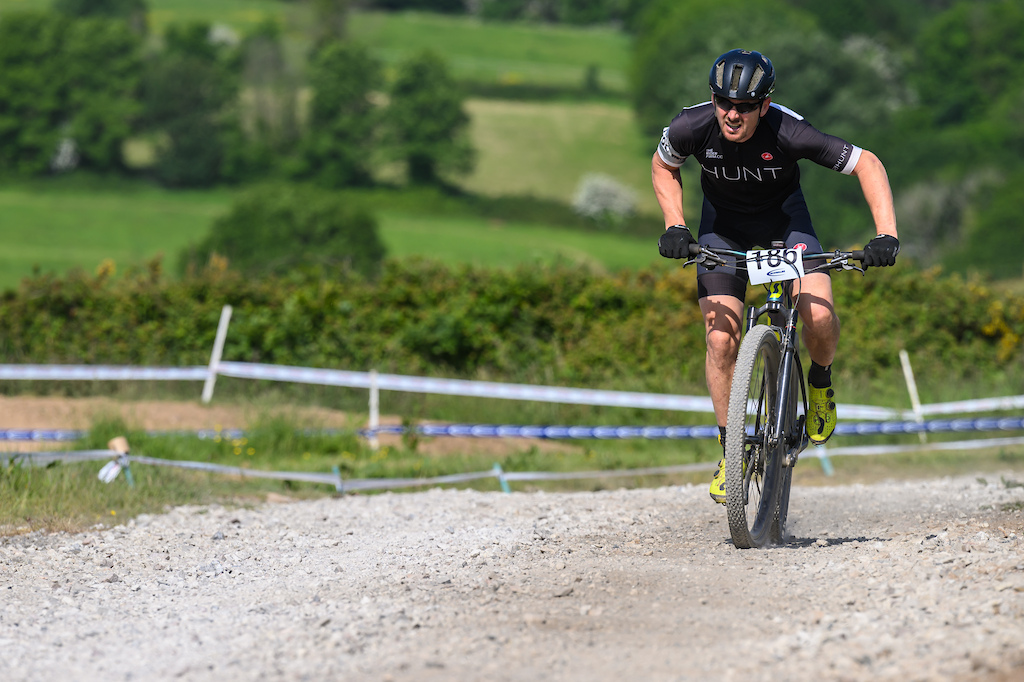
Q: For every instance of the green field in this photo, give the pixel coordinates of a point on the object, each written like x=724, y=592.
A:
x=497, y=244
x=545, y=149
x=523, y=148
x=56, y=230
x=241, y=15
x=506, y=53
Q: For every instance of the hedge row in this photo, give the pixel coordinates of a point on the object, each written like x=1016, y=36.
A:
x=545, y=324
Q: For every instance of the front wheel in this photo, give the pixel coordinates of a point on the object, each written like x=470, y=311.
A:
x=795, y=429
x=753, y=456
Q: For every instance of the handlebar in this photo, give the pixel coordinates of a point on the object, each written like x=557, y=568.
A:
x=712, y=256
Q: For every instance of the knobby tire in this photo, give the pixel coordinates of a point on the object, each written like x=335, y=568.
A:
x=778, y=530
x=754, y=475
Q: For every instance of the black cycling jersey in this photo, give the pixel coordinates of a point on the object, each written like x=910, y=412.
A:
x=761, y=173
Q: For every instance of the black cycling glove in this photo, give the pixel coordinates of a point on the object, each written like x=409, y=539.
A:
x=675, y=242
x=881, y=251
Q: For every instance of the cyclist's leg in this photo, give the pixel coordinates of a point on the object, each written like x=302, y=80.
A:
x=722, y=329
x=722, y=315
x=820, y=335
x=721, y=293
x=817, y=310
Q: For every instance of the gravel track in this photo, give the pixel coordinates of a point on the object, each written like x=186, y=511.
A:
x=899, y=580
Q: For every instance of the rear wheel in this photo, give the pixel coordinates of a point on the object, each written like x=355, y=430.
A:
x=753, y=466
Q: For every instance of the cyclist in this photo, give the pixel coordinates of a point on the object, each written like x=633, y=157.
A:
x=748, y=148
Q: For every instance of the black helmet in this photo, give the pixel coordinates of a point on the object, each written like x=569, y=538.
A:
x=742, y=74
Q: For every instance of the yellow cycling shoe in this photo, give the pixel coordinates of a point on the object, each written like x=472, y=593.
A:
x=821, y=420
x=718, y=483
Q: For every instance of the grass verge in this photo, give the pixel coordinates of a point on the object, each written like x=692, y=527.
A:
x=69, y=497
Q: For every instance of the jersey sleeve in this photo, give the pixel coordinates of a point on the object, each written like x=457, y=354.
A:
x=668, y=153
x=807, y=142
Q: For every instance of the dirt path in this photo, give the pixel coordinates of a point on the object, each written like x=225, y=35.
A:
x=894, y=581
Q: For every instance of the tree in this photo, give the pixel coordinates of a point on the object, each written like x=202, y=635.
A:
x=190, y=98
x=68, y=91
x=32, y=107
x=132, y=11
x=994, y=239
x=277, y=228
x=587, y=11
x=969, y=56
x=342, y=119
x=272, y=121
x=330, y=20
x=102, y=62
x=445, y=6
x=841, y=87
x=426, y=126
x=895, y=22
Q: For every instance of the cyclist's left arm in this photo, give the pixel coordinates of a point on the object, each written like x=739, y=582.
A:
x=874, y=182
x=803, y=140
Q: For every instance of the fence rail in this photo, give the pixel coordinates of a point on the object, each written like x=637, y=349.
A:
x=374, y=383
x=476, y=389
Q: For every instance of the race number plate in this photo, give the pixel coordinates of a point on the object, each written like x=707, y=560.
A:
x=774, y=265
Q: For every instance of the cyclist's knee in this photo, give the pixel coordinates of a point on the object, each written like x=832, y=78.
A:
x=723, y=343
x=822, y=321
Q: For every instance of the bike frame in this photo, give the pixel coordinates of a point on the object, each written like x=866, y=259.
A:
x=783, y=317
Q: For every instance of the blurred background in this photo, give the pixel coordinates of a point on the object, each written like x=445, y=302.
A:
x=473, y=179
x=128, y=126
x=461, y=188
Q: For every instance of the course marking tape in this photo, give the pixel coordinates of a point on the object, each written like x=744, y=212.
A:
x=560, y=432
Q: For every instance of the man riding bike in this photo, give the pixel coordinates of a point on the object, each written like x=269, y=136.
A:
x=748, y=148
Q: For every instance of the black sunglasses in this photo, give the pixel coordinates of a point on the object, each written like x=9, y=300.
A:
x=741, y=107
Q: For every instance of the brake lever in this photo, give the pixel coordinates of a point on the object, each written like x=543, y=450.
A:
x=843, y=263
x=707, y=258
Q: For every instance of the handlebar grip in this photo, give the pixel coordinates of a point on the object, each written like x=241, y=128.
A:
x=694, y=249
x=857, y=255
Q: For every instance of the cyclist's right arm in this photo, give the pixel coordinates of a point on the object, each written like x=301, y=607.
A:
x=676, y=241
x=668, y=189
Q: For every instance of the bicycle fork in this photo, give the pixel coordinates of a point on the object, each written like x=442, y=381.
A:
x=789, y=437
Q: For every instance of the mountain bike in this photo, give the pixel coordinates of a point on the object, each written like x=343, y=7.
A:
x=766, y=425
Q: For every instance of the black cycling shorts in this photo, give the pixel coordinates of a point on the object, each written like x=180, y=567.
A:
x=789, y=222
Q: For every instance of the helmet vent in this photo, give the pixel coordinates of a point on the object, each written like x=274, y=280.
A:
x=755, y=80
x=720, y=73
x=737, y=75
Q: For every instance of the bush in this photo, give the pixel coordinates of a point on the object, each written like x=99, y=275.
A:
x=604, y=199
x=537, y=324
x=280, y=228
